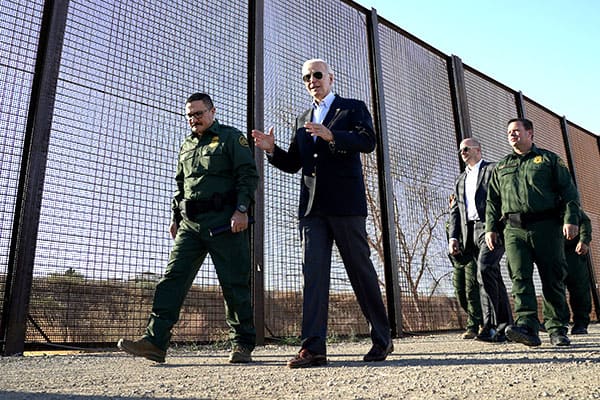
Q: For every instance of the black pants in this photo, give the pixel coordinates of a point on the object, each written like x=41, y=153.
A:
x=349, y=233
x=495, y=306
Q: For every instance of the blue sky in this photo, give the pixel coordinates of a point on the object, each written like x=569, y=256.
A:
x=548, y=49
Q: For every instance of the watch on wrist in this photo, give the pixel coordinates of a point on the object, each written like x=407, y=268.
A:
x=242, y=208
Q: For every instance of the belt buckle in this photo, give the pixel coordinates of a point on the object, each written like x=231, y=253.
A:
x=515, y=220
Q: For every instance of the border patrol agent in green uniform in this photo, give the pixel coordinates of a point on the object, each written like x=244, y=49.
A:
x=216, y=179
x=532, y=191
x=578, y=276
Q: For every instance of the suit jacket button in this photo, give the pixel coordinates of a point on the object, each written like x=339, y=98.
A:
x=315, y=155
x=313, y=174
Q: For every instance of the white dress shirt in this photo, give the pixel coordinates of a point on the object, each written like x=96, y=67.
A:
x=470, y=189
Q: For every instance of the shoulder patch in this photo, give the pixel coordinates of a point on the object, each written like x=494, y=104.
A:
x=243, y=141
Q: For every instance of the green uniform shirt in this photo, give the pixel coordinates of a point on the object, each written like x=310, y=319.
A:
x=217, y=162
x=535, y=182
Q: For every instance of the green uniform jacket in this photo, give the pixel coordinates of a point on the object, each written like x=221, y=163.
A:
x=585, y=232
x=217, y=162
x=535, y=182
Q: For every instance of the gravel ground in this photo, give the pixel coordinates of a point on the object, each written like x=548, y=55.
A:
x=440, y=366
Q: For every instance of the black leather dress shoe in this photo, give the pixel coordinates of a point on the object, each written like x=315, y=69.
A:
x=500, y=338
x=579, y=330
x=491, y=336
x=523, y=334
x=378, y=352
x=306, y=358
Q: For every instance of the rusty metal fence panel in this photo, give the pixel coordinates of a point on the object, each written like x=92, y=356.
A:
x=586, y=150
x=547, y=131
x=424, y=164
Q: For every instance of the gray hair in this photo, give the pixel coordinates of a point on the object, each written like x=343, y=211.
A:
x=318, y=60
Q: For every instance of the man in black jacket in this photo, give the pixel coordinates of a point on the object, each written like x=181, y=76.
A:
x=329, y=138
x=467, y=222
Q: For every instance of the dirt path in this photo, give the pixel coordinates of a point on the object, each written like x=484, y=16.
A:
x=440, y=366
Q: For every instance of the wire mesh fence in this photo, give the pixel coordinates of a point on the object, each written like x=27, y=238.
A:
x=117, y=123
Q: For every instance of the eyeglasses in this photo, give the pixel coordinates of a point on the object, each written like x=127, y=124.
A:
x=317, y=75
x=197, y=115
x=465, y=149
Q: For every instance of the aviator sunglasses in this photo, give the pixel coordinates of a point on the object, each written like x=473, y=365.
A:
x=316, y=74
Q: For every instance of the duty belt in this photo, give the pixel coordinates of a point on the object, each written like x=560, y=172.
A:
x=522, y=220
x=191, y=208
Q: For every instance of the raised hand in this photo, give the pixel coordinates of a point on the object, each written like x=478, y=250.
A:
x=264, y=141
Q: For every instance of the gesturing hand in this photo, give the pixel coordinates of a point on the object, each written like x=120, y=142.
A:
x=319, y=130
x=264, y=141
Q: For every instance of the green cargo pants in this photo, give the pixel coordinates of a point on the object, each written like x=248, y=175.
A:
x=231, y=257
x=466, y=289
x=578, y=285
x=540, y=242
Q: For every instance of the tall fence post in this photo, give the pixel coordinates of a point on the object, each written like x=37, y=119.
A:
x=256, y=120
x=460, y=104
x=386, y=188
x=520, y=104
x=31, y=179
x=564, y=127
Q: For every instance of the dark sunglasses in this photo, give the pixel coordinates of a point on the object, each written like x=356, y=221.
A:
x=316, y=74
x=465, y=149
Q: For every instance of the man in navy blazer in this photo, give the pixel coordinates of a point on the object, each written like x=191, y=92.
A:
x=467, y=223
x=329, y=138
